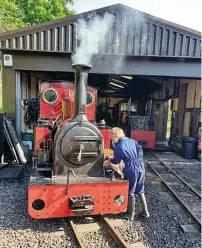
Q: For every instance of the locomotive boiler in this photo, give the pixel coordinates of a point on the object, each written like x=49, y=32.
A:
x=76, y=182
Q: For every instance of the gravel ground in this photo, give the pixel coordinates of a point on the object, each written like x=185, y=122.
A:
x=190, y=172
x=161, y=230
x=17, y=229
x=99, y=239
x=171, y=156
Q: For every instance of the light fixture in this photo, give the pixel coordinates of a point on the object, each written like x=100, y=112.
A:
x=116, y=85
x=118, y=81
x=127, y=77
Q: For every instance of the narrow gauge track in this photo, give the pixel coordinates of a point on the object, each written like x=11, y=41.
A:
x=188, y=197
x=98, y=232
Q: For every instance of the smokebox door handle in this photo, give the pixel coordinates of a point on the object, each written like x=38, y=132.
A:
x=80, y=152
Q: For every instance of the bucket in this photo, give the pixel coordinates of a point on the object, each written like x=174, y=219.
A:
x=28, y=139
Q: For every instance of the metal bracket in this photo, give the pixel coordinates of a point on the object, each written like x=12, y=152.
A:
x=81, y=205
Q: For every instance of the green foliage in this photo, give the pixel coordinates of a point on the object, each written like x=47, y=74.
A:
x=11, y=15
x=16, y=14
x=37, y=11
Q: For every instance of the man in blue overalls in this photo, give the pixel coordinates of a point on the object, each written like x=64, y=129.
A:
x=131, y=153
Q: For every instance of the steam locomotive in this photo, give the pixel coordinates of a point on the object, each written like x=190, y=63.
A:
x=70, y=177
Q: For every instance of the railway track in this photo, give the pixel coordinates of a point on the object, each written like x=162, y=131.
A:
x=99, y=232
x=188, y=197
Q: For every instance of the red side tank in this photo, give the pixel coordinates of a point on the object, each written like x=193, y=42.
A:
x=41, y=133
x=68, y=106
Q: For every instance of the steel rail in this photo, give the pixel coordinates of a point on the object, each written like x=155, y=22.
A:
x=176, y=196
x=103, y=222
x=115, y=234
x=182, y=180
x=80, y=242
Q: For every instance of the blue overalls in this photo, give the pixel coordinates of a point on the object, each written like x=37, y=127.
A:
x=131, y=153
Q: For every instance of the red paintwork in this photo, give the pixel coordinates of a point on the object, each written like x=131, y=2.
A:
x=105, y=134
x=68, y=108
x=52, y=111
x=56, y=202
x=149, y=136
x=40, y=133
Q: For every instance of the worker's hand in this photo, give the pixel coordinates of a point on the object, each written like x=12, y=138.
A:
x=116, y=168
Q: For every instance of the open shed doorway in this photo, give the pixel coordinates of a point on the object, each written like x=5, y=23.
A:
x=163, y=115
x=160, y=109
x=116, y=94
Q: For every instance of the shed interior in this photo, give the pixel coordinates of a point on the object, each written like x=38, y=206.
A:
x=175, y=101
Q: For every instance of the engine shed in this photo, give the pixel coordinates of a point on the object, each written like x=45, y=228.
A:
x=149, y=64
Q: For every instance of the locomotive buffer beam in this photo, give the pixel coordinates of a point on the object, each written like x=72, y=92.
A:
x=81, y=205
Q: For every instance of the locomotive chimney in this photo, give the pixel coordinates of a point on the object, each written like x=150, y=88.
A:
x=80, y=90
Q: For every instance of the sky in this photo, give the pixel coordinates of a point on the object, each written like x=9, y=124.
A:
x=187, y=13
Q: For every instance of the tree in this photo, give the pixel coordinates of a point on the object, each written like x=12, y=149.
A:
x=16, y=14
x=11, y=15
x=37, y=11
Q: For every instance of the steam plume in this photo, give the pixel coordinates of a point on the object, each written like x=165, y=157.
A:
x=91, y=36
x=111, y=34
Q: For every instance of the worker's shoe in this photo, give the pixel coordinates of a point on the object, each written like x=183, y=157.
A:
x=145, y=212
x=129, y=215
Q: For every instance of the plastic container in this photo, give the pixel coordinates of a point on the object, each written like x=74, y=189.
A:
x=28, y=139
x=189, y=147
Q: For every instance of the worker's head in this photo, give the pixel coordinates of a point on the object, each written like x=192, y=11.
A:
x=116, y=133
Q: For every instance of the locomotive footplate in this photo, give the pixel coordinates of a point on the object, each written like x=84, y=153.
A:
x=81, y=205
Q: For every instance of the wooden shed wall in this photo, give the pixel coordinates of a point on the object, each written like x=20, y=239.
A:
x=187, y=113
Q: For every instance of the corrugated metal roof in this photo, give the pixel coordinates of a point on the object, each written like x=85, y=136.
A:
x=153, y=37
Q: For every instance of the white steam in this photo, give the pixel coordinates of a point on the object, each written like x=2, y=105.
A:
x=111, y=34
x=91, y=37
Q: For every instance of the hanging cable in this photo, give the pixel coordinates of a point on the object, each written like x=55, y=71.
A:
x=31, y=108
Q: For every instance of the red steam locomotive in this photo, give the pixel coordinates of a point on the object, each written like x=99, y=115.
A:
x=70, y=177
